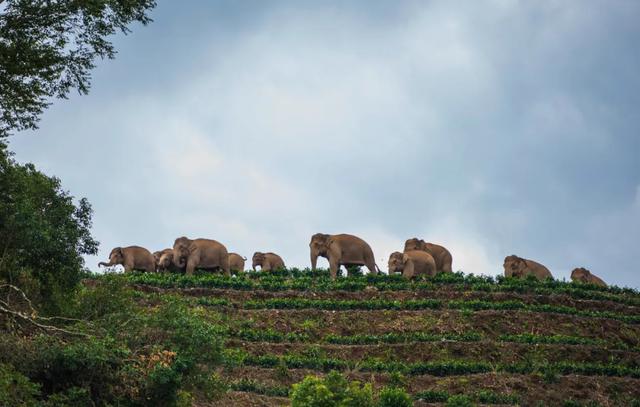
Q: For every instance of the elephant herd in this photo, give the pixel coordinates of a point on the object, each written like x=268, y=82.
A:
x=417, y=258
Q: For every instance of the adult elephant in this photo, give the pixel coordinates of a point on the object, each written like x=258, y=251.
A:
x=191, y=254
x=440, y=254
x=582, y=275
x=267, y=261
x=518, y=267
x=342, y=250
x=412, y=263
x=236, y=262
x=131, y=258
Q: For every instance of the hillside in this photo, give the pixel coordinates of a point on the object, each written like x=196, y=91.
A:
x=497, y=342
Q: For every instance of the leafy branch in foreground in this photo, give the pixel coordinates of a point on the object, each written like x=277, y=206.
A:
x=48, y=48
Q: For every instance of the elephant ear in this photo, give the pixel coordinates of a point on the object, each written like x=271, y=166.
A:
x=191, y=248
x=405, y=258
x=119, y=251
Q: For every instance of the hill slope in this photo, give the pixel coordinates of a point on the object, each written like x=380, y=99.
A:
x=498, y=342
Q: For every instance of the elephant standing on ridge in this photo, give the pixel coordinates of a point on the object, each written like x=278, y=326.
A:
x=440, y=254
x=158, y=255
x=191, y=254
x=518, y=267
x=342, y=250
x=267, y=261
x=412, y=263
x=236, y=262
x=131, y=258
x=166, y=262
x=583, y=275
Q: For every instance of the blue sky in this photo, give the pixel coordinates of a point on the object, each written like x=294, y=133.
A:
x=495, y=128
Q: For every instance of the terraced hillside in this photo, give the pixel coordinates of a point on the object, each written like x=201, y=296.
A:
x=486, y=341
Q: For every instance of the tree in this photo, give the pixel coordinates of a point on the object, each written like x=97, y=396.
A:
x=43, y=234
x=48, y=48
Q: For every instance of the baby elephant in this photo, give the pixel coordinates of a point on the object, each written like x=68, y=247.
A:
x=166, y=263
x=583, y=275
x=412, y=263
x=236, y=262
x=518, y=267
x=440, y=254
x=131, y=258
x=268, y=261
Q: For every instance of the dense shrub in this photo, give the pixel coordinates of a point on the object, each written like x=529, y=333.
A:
x=394, y=397
x=332, y=391
x=44, y=234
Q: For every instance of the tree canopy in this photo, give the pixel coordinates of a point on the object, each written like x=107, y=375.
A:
x=43, y=234
x=49, y=47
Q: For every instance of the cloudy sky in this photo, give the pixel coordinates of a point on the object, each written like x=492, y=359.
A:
x=495, y=128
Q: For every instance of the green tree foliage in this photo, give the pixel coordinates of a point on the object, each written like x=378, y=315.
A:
x=48, y=48
x=43, y=234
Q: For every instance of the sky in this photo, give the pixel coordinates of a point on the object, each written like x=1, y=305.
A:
x=492, y=127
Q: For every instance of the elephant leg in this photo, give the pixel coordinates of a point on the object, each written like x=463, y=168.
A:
x=191, y=266
x=370, y=262
x=128, y=267
x=334, y=266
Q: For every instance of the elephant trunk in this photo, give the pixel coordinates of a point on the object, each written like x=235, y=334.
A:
x=314, y=261
x=179, y=260
x=254, y=266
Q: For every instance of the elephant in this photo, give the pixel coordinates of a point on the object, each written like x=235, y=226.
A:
x=236, y=262
x=158, y=255
x=412, y=263
x=200, y=253
x=166, y=262
x=583, y=275
x=440, y=254
x=267, y=261
x=341, y=250
x=131, y=258
x=518, y=267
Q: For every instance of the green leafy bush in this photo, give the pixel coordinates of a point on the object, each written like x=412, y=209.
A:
x=332, y=391
x=16, y=389
x=394, y=397
x=44, y=234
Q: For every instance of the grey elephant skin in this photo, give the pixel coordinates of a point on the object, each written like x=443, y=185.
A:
x=131, y=258
x=518, y=267
x=412, y=263
x=440, y=254
x=267, y=261
x=341, y=250
x=166, y=264
x=583, y=275
x=236, y=262
x=191, y=254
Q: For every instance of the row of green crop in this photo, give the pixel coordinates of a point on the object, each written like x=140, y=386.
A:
x=305, y=281
x=481, y=396
x=273, y=336
x=237, y=357
x=379, y=304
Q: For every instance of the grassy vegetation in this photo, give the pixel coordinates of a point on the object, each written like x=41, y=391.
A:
x=135, y=345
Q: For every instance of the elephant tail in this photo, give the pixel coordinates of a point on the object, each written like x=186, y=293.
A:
x=377, y=268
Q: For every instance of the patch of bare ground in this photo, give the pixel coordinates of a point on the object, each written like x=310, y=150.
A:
x=491, y=324
x=244, y=399
x=531, y=389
